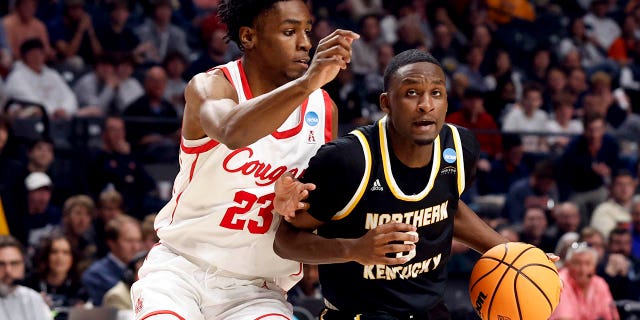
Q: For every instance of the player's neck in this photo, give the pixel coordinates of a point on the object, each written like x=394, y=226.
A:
x=409, y=153
x=260, y=79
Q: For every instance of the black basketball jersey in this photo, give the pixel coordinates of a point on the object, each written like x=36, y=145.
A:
x=378, y=196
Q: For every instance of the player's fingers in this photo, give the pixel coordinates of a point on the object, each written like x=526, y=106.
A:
x=334, y=52
x=392, y=261
x=395, y=226
x=398, y=237
x=398, y=247
x=552, y=257
x=339, y=33
x=303, y=206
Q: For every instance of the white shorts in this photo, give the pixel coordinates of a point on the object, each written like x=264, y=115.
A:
x=170, y=286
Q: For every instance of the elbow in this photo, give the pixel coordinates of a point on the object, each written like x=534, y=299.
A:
x=280, y=244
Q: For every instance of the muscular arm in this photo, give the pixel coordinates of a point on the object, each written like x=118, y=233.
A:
x=212, y=106
x=296, y=241
x=469, y=229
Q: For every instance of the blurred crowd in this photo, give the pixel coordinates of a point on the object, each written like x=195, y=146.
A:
x=91, y=98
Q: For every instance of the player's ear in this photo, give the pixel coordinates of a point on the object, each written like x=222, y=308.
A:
x=247, y=37
x=384, y=102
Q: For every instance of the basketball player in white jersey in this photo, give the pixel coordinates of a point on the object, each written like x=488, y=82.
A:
x=245, y=124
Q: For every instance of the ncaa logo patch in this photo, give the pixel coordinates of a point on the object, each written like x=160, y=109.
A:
x=311, y=118
x=449, y=155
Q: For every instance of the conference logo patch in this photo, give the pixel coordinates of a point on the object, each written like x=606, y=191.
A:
x=449, y=155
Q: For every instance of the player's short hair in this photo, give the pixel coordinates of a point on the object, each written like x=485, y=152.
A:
x=241, y=13
x=407, y=57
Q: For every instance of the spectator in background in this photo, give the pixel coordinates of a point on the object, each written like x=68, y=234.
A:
x=555, y=85
x=562, y=126
x=563, y=245
x=577, y=87
x=22, y=25
x=445, y=49
x=32, y=81
x=585, y=295
x=503, y=172
x=566, y=219
x=40, y=156
x=18, y=302
x=110, y=205
x=474, y=117
x=115, y=166
x=77, y=225
x=410, y=35
x=175, y=64
x=601, y=28
x=538, y=190
x=150, y=139
x=159, y=36
x=617, y=209
x=619, y=268
x=594, y=239
x=119, y=296
x=588, y=162
x=42, y=217
x=215, y=53
x=600, y=98
x=124, y=241
x=129, y=88
x=580, y=40
x=73, y=37
x=365, y=50
x=526, y=116
x=56, y=276
x=471, y=68
x=99, y=88
x=534, y=225
x=116, y=36
x=540, y=64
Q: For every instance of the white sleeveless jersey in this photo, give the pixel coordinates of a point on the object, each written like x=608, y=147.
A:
x=221, y=210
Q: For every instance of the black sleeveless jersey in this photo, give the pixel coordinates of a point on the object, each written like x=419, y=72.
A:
x=369, y=186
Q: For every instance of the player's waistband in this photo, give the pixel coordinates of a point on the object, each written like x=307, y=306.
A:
x=438, y=312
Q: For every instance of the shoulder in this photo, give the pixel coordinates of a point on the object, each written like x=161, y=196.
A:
x=210, y=84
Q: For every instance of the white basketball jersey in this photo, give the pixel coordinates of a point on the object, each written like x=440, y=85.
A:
x=221, y=210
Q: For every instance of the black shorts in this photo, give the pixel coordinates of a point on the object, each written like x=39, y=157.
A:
x=439, y=312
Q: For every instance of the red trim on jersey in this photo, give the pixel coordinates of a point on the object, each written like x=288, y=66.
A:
x=295, y=130
x=226, y=74
x=193, y=167
x=271, y=315
x=245, y=84
x=162, y=312
x=199, y=149
x=328, y=119
x=299, y=271
x=176, y=207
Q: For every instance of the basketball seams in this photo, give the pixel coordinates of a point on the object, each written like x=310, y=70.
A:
x=521, y=272
x=509, y=266
x=494, y=268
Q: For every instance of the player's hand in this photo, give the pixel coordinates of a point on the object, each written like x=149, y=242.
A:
x=332, y=55
x=373, y=247
x=289, y=195
x=552, y=257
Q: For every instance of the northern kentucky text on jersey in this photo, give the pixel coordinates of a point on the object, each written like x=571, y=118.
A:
x=417, y=218
x=241, y=161
x=406, y=271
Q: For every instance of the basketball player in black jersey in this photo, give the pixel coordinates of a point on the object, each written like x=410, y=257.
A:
x=384, y=200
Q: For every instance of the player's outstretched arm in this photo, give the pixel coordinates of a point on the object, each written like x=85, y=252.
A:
x=469, y=229
x=296, y=241
x=235, y=124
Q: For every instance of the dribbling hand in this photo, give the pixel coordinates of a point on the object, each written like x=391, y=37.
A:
x=289, y=195
x=332, y=55
x=373, y=247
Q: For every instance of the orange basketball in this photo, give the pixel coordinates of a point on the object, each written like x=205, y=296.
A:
x=514, y=281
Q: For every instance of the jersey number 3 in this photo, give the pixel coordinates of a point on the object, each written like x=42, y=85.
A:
x=233, y=217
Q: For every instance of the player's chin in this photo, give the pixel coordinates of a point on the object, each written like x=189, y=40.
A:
x=423, y=141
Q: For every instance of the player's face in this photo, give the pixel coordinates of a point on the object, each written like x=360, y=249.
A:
x=416, y=102
x=282, y=39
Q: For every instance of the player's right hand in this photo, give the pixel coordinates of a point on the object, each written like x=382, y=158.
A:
x=289, y=195
x=332, y=55
x=373, y=247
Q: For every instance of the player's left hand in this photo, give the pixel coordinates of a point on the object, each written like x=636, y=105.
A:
x=289, y=195
x=552, y=257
